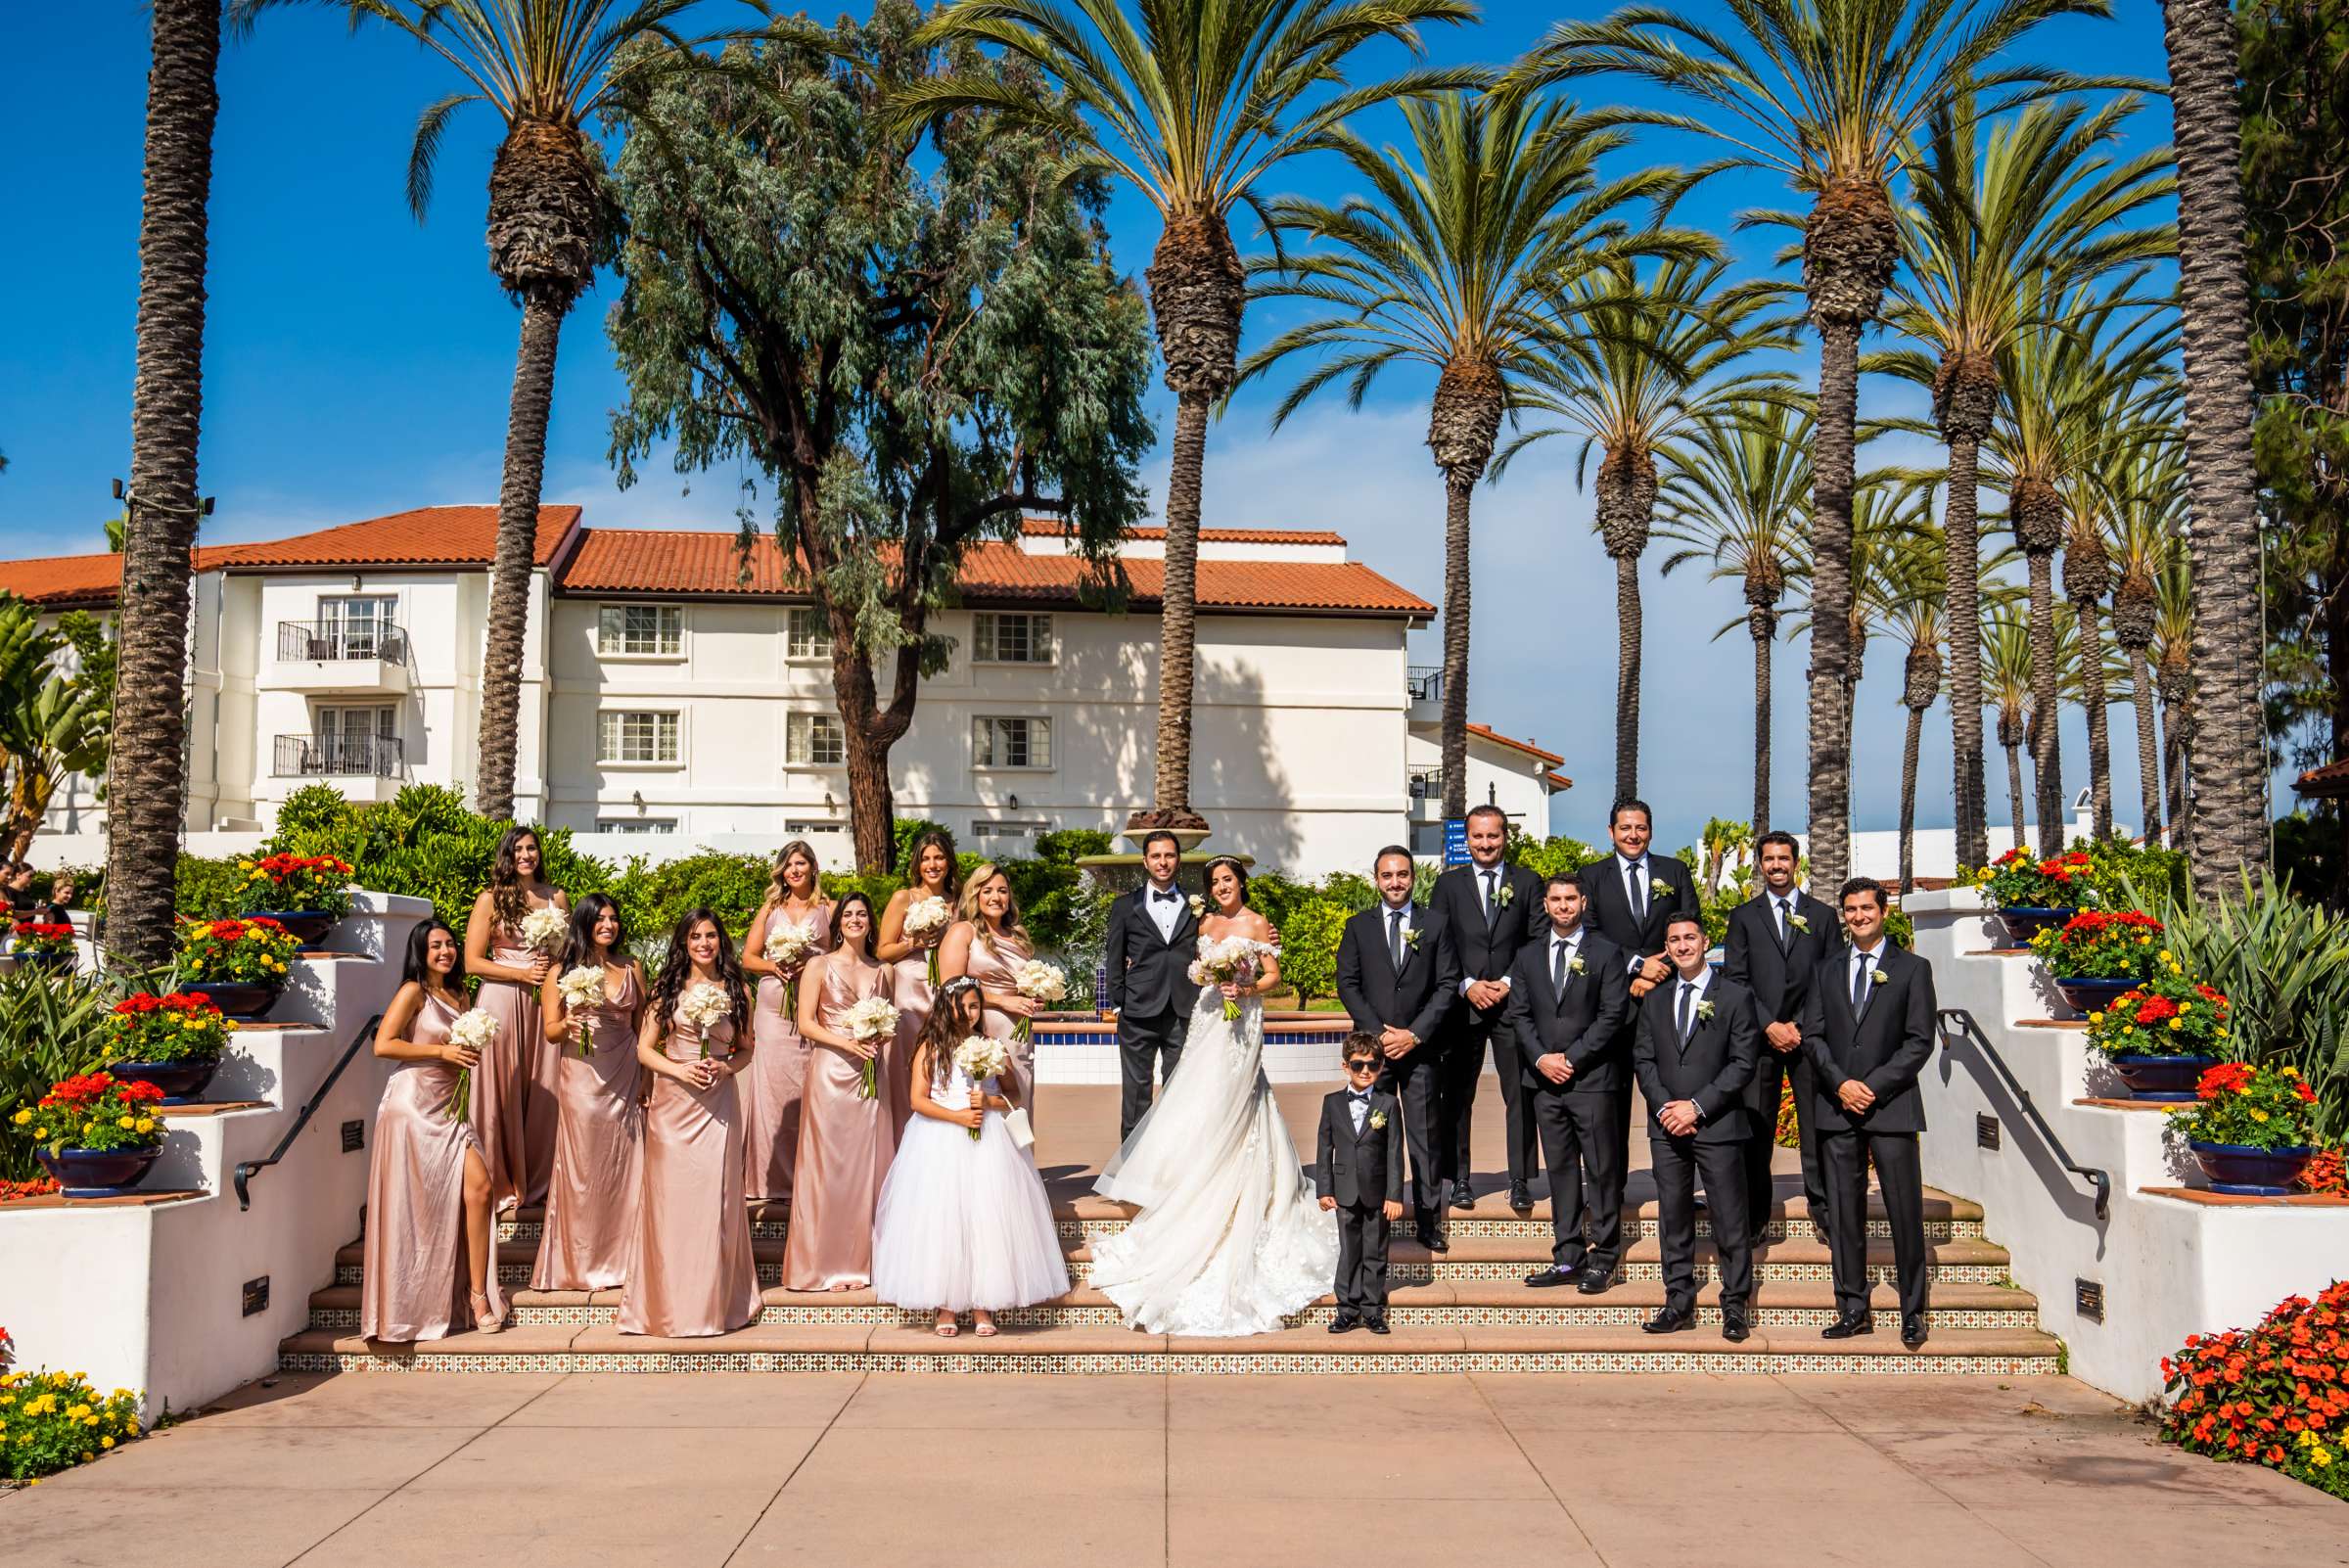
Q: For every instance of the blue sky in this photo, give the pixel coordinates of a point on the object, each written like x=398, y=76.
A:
x=359, y=363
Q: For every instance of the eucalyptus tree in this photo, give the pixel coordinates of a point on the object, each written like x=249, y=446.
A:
x=1449, y=261
x=1833, y=95
x=2044, y=194
x=1192, y=103
x=1736, y=492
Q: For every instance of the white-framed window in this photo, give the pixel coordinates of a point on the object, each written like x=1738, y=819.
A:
x=809, y=827
x=354, y=625
x=1005, y=637
x=353, y=739
x=644, y=738
x=1011, y=742
x=636, y=824
x=640, y=630
x=813, y=740
x=807, y=634
x=999, y=832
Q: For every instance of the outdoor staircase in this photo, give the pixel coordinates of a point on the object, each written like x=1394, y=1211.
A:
x=1464, y=1310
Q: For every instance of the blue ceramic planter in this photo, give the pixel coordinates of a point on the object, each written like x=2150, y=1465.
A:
x=97, y=1172
x=180, y=1082
x=306, y=926
x=2162, y=1078
x=2094, y=995
x=2255, y=1172
x=2023, y=922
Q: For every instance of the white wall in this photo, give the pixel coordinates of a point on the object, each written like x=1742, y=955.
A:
x=1502, y=774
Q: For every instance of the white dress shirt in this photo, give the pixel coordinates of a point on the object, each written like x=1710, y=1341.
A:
x=1635, y=893
x=1357, y=1101
x=1500, y=879
x=1573, y=945
x=1867, y=960
x=1164, y=913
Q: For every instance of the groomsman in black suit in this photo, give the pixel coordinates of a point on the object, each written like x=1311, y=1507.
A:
x=1868, y=1030
x=1694, y=1057
x=1775, y=940
x=1488, y=908
x=1568, y=994
x=1397, y=979
x=1151, y=936
x=1358, y=1173
x=1631, y=896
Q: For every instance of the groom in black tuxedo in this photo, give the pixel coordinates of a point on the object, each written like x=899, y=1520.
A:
x=1397, y=979
x=1488, y=909
x=1775, y=940
x=1631, y=897
x=1151, y=936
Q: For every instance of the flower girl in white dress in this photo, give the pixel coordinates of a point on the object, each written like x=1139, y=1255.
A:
x=963, y=1222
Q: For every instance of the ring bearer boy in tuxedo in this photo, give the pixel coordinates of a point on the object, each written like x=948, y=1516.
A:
x=1397, y=979
x=1868, y=1029
x=1567, y=999
x=1629, y=896
x=1694, y=1057
x=1151, y=942
x=1488, y=908
x=1358, y=1171
x=1775, y=940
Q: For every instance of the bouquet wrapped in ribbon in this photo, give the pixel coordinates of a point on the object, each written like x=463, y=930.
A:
x=870, y=1021
x=1229, y=962
x=583, y=988
x=982, y=1057
x=475, y=1031
x=926, y=920
x=1038, y=982
x=790, y=944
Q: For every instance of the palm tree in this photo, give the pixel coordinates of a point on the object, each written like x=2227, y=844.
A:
x=1737, y=493
x=2039, y=197
x=1192, y=107
x=1642, y=364
x=547, y=66
x=2173, y=627
x=1913, y=605
x=2007, y=686
x=149, y=773
x=2147, y=488
x=1449, y=262
x=1832, y=95
x=2230, y=760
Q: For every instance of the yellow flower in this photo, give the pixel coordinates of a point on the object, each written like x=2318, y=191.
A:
x=41, y=1131
x=22, y=1117
x=106, y=1442
x=2258, y=1115
x=127, y=1122
x=146, y=1124
x=2176, y=1023
x=74, y=1412
x=2095, y=1018
x=244, y=865
x=2163, y=956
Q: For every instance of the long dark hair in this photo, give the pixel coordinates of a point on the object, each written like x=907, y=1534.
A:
x=872, y=923
x=508, y=899
x=578, y=943
x=417, y=968
x=1207, y=880
x=946, y=1031
x=912, y=868
x=677, y=968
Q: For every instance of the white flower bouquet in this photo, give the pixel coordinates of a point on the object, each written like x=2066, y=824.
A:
x=704, y=1006
x=475, y=1031
x=1038, y=982
x=544, y=929
x=926, y=920
x=1229, y=962
x=872, y=1020
x=790, y=944
x=583, y=988
x=982, y=1057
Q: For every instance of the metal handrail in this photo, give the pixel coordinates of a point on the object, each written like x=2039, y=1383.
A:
x=337, y=756
x=335, y=640
x=247, y=1169
x=1961, y=1019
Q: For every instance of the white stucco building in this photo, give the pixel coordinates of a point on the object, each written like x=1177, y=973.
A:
x=678, y=693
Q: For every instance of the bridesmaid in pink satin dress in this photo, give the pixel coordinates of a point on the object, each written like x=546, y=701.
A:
x=598, y=1177
x=690, y=1266
x=989, y=944
x=774, y=1086
x=431, y=1247
x=517, y=1095
x=933, y=876
x=844, y=1143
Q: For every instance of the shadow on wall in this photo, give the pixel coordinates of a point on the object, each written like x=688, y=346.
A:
x=2070, y=1193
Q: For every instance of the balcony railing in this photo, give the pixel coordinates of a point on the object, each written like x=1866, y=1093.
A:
x=1423, y=783
x=1425, y=683
x=332, y=755
x=322, y=640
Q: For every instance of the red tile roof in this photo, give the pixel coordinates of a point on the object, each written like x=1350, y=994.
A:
x=427, y=535
x=79, y=582
x=1047, y=528
x=2328, y=782
x=1528, y=747
x=645, y=561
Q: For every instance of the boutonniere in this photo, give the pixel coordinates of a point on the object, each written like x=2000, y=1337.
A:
x=1658, y=885
x=1575, y=967
x=1410, y=938
x=1198, y=908
x=1704, y=1009
x=1879, y=976
x=1378, y=1121
x=1504, y=896
x=1797, y=921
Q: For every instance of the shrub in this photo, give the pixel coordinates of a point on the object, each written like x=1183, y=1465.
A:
x=50, y=1029
x=2094, y=945
x=1547, y=858
x=177, y=1027
x=2327, y=1173
x=243, y=952
x=2169, y=1015
x=2275, y=1395
x=1348, y=891
x=95, y=1111
x=52, y=1421
x=653, y=898
x=2249, y=1107
x=206, y=889
x=284, y=883
x=1309, y=948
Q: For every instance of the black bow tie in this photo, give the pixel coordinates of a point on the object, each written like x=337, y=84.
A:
x=1359, y=1095
x=1167, y=898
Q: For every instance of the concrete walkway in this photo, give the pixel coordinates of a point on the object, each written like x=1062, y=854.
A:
x=546, y=1471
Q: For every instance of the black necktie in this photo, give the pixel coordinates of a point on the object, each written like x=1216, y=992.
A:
x=1558, y=967
x=1395, y=938
x=1784, y=928
x=1859, y=980
x=1687, y=994
x=1638, y=893
x=1491, y=895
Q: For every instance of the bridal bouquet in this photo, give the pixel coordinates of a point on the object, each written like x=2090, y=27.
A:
x=704, y=1006
x=583, y=988
x=1229, y=962
x=475, y=1031
x=927, y=919
x=871, y=1020
x=790, y=944
x=1037, y=980
x=544, y=930
x=982, y=1057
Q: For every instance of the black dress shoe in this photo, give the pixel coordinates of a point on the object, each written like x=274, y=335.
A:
x=1735, y=1327
x=1431, y=1238
x=1461, y=1197
x=1376, y=1325
x=1912, y=1330
x=1543, y=1278
x=1850, y=1326
x=1521, y=1196
x=1595, y=1281
x=1345, y=1324
x=1669, y=1320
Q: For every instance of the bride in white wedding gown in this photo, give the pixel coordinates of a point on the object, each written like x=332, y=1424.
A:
x=1230, y=1238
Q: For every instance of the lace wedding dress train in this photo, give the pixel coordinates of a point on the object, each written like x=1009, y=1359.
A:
x=1230, y=1238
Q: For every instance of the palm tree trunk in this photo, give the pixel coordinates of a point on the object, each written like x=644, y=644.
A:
x=2230, y=742
x=1832, y=447
x=2177, y=727
x=1457, y=492
x=146, y=776
x=2149, y=747
x=1961, y=549
x=526, y=414
x=2014, y=790
x=1178, y=606
x=1627, y=677
x=1917, y=730
x=2046, y=750
x=1759, y=622
x=2091, y=697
